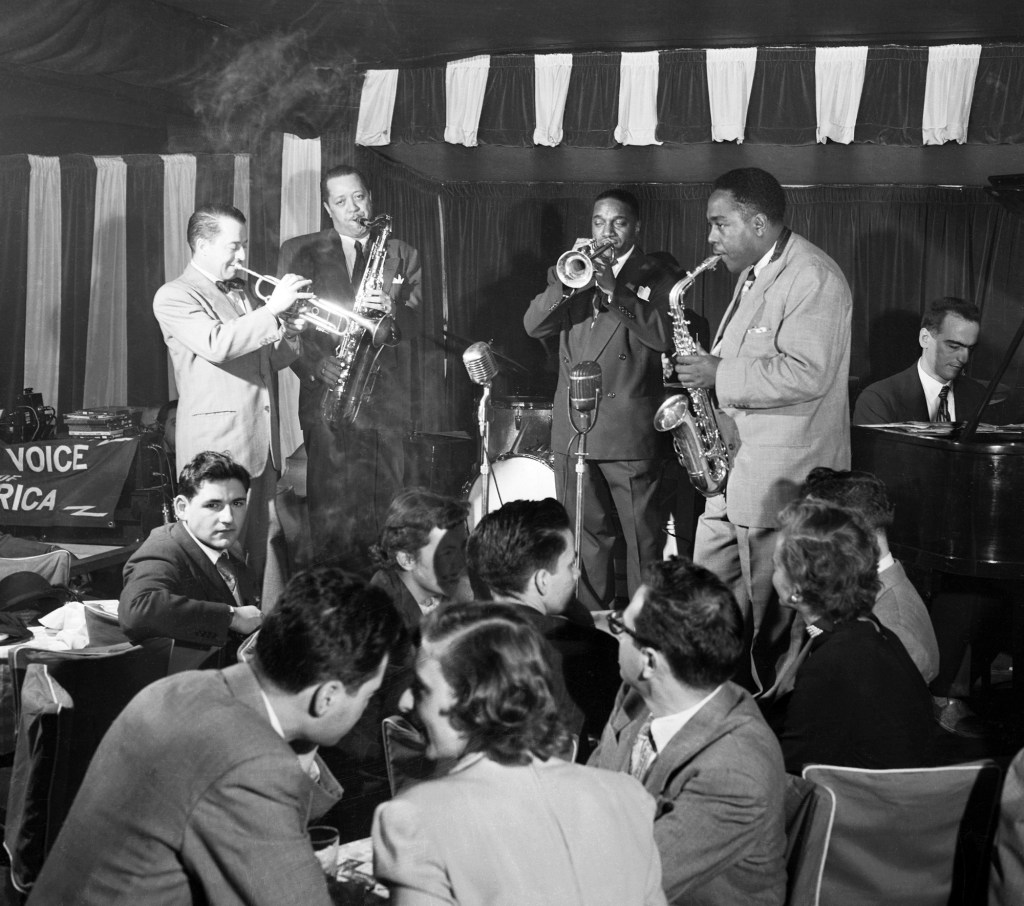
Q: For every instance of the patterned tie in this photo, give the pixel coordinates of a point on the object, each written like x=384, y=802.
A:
x=943, y=414
x=226, y=568
x=747, y=283
x=642, y=755
x=359, y=265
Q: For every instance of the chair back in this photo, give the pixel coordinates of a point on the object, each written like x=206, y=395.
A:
x=68, y=701
x=914, y=836
x=54, y=566
x=810, y=810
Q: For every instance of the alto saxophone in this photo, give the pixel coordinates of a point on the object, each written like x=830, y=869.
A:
x=690, y=415
x=363, y=339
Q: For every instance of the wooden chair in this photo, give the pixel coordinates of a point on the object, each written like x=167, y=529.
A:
x=67, y=702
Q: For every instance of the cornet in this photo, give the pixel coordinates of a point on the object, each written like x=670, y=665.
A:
x=575, y=268
x=328, y=317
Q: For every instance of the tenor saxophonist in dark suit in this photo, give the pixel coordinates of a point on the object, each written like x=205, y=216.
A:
x=353, y=470
x=620, y=321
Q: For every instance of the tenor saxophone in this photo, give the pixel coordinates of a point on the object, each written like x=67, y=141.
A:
x=363, y=338
x=690, y=415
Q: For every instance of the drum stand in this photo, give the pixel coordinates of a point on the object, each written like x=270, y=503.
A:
x=485, y=438
x=589, y=420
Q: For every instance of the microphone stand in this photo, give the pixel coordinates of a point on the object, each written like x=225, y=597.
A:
x=590, y=419
x=485, y=442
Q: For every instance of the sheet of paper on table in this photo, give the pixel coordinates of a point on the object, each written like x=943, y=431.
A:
x=355, y=864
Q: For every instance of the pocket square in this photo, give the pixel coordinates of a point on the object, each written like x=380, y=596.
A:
x=644, y=292
x=759, y=330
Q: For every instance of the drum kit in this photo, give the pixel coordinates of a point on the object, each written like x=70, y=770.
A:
x=520, y=451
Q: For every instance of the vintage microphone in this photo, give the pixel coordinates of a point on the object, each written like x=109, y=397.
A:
x=482, y=368
x=584, y=400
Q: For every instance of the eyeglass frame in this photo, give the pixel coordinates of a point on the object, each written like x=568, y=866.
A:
x=617, y=626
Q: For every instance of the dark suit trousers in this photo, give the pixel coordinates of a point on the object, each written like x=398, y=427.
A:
x=630, y=488
x=351, y=477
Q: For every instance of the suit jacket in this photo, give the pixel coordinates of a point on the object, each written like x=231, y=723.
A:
x=321, y=258
x=626, y=339
x=900, y=398
x=783, y=379
x=224, y=366
x=173, y=590
x=857, y=700
x=719, y=784
x=899, y=607
x=543, y=833
x=1006, y=880
x=192, y=798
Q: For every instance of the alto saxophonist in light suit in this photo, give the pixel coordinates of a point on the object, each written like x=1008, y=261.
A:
x=354, y=470
x=779, y=365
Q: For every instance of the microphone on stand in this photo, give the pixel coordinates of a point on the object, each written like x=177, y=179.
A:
x=480, y=363
x=584, y=394
x=482, y=368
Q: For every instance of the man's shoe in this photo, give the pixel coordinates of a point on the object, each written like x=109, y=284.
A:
x=955, y=717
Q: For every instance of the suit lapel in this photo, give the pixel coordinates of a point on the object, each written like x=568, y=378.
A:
x=605, y=327
x=202, y=563
x=217, y=301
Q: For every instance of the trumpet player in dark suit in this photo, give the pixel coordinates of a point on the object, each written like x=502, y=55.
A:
x=620, y=321
x=353, y=471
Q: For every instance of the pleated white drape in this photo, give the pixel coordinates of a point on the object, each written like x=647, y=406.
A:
x=551, y=73
x=730, y=79
x=106, y=351
x=179, y=203
x=300, y=213
x=948, y=91
x=42, y=298
x=638, y=99
x=377, y=107
x=465, y=82
x=838, y=85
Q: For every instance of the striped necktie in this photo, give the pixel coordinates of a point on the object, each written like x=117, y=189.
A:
x=943, y=414
x=226, y=568
x=642, y=754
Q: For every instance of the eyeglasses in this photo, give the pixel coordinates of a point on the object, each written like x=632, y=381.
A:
x=618, y=626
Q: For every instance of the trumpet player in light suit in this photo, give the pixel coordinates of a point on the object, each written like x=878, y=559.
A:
x=620, y=320
x=355, y=470
x=779, y=365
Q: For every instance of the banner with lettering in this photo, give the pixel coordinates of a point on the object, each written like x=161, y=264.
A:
x=66, y=481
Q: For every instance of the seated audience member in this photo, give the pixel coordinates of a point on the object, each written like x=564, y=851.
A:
x=857, y=699
x=183, y=583
x=421, y=553
x=202, y=789
x=1007, y=877
x=697, y=741
x=898, y=606
x=524, y=554
x=509, y=823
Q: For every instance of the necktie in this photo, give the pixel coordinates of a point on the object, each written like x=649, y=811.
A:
x=226, y=568
x=749, y=282
x=642, y=754
x=358, y=266
x=943, y=414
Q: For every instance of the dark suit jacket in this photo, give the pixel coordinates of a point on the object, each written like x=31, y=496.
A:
x=857, y=700
x=719, y=783
x=626, y=340
x=172, y=590
x=192, y=797
x=321, y=258
x=900, y=398
x=586, y=664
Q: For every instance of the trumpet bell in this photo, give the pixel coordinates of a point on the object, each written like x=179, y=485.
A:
x=574, y=269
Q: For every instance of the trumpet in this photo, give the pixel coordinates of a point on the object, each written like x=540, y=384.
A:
x=575, y=268
x=328, y=317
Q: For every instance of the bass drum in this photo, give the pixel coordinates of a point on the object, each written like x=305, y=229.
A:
x=520, y=426
x=512, y=478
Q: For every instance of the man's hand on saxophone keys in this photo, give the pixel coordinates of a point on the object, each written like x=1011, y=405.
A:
x=378, y=299
x=329, y=371
x=693, y=371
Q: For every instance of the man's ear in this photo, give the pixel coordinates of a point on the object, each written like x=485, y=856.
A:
x=181, y=507
x=541, y=580
x=323, y=697
x=650, y=657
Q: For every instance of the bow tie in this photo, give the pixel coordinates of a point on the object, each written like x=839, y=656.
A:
x=236, y=283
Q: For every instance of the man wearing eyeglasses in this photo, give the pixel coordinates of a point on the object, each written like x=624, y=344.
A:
x=697, y=741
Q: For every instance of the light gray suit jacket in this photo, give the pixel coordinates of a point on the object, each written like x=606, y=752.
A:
x=783, y=379
x=224, y=365
x=544, y=833
x=719, y=782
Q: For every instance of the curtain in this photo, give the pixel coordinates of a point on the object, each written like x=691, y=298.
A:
x=591, y=103
x=730, y=80
x=638, y=99
x=465, y=81
x=782, y=108
x=508, y=114
x=948, y=92
x=14, y=189
x=377, y=107
x=551, y=85
x=838, y=83
x=684, y=107
x=42, y=328
x=419, y=105
x=106, y=357
x=892, y=104
x=997, y=109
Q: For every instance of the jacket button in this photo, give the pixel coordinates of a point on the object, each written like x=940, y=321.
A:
x=610, y=396
x=622, y=356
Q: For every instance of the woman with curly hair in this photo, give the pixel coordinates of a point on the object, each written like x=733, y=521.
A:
x=857, y=699
x=509, y=823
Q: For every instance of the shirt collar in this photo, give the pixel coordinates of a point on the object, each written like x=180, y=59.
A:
x=206, y=274
x=210, y=552
x=617, y=266
x=885, y=562
x=760, y=265
x=272, y=714
x=664, y=728
x=931, y=389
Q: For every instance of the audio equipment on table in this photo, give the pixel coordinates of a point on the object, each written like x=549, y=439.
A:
x=27, y=420
x=690, y=415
